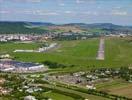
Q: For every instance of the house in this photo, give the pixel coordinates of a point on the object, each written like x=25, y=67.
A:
x=5, y=56
x=2, y=80
x=33, y=89
x=30, y=98
x=90, y=86
x=4, y=91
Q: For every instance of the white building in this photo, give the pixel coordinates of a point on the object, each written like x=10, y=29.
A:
x=24, y=51
x=90, y=87
x=30, y=98
x=20, y=66
x=5, y=56
x=35, y=67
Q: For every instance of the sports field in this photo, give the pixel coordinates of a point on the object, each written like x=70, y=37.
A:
x=80, y=53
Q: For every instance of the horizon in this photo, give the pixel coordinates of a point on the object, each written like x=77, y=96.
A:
x=117, y=12
x=62, y=23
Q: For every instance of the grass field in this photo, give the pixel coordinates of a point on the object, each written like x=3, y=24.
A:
x=81, y=53
x=57, y=96
x=70, y=52
x=10, y=47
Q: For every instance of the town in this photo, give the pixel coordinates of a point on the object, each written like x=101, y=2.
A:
x=27, y=38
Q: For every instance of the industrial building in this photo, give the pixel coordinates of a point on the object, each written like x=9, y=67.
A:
x=11, y=65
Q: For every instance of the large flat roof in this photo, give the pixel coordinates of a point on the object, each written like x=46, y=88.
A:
x=19, y=64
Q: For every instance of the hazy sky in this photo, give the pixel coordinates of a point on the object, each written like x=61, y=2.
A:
x=67, y=11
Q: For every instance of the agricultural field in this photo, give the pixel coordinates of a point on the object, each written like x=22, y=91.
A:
x=79, y=53
x=117, y=87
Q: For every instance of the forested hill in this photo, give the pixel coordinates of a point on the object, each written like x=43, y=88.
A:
x=19, y=27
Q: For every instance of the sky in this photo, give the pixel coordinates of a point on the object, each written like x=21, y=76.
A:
x=67, y=11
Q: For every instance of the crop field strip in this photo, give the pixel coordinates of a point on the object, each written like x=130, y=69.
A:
x=117, y=87
x=84, y=95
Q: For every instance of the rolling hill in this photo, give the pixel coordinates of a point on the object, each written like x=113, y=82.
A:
x=18, y=27
x=41, y=27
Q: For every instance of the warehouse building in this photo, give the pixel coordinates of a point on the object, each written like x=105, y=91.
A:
x=11, y=65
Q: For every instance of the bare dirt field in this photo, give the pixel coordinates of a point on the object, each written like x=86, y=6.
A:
x=117, y=87
x=123, y=91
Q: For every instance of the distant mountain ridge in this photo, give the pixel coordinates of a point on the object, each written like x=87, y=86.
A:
x=103, y=26
x=41, y=24
x=28, y=27
x=97, y=25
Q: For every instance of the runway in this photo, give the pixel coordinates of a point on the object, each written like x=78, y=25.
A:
x=100, y=55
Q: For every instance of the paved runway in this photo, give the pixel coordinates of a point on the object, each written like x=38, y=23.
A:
x=100, y=55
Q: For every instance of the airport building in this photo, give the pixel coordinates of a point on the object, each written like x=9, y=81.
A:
x=11, y=65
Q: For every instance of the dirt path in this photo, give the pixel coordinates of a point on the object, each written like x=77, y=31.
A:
x=100, y=55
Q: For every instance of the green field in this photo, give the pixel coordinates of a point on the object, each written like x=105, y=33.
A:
x=11, y=46
x=57, y=96
x=70, y=52
x=80, y=53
